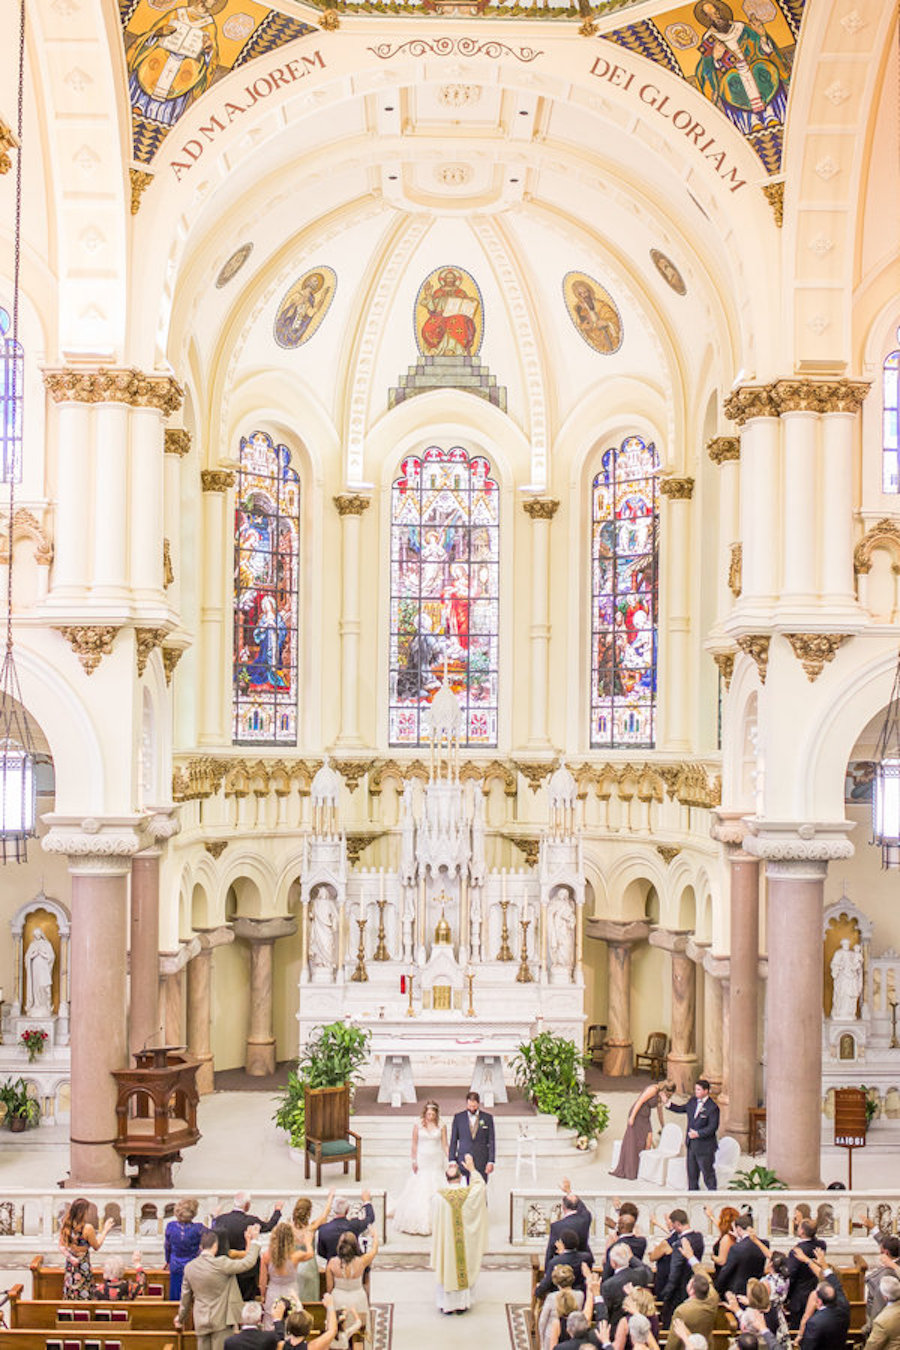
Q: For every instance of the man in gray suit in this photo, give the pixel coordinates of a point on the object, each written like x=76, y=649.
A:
x=209, y=1287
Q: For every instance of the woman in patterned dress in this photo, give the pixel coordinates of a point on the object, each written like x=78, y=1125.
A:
x=78, y=1238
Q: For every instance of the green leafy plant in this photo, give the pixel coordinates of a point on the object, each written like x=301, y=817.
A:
x=291, y=1113
x=757, y=1178
x=333, y=1055
x=19, y=1105
x=550, y=1070
x=871, y=1104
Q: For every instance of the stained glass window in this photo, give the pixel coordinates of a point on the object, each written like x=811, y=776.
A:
x=624, y=557
x=890, y=444
x=445, y=561
x=266, y=563
x=12, y=389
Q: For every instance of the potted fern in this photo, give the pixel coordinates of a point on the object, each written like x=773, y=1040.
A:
x=22, y=1110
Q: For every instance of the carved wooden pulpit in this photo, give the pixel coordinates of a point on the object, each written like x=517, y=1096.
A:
x=156, y=1112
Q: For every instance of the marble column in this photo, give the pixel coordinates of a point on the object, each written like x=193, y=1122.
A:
x=682, y=1064
x=146, y=516
x=755, y=409
x=744, y=1003
x=837, y=504
x=262, y=935
x=800, y=427
x=712, y=1032
x=99, y=866
x=350, y=506
x=199, y=982
x=145, y=1022
x=172, y=980
x=71, y=569
x=726, y=452
x=541, y=510
x=620, y=938
x=677, y=536
x=725, y=1094
x=794, y=1047
x=216, y=484
x=176, y=445
x=110, y=543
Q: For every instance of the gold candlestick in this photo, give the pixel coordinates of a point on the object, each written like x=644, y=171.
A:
x=504, y=953
x=524, y=975
x=381, y=952
x=360, y=974
x=470, y=980
x=410, y=1011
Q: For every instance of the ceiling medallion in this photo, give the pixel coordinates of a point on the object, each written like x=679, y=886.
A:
x=459, y=95
x=453, y=175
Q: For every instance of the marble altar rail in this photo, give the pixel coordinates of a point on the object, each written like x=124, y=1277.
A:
x=839, y=1213
x=30, y=1218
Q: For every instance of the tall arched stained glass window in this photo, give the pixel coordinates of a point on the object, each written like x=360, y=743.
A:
x=12, y=397
x=624, y=556
x=890, y=405
x=445, y=561
x=266, y=564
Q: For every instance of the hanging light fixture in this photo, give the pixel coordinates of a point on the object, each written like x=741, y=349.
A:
x=886, y=782
x=17, y=753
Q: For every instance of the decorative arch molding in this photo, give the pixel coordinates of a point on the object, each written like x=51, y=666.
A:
x=258, y=871
x=27, y=526
x=41, y=901
x=884, y=534
x=443, y=414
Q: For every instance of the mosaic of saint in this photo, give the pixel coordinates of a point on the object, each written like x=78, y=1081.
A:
x=233, y=265
x=445, y=561
x=175, y=52
x=624, y=558
x=668, y=271
x=304, y=307
x=449, y=317
x=740, y=56
x=593, y=312
x=266, y=564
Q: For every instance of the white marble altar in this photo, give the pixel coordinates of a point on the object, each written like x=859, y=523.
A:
x=492, y=955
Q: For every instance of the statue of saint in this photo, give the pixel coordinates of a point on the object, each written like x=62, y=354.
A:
x=561, y=930
x=846, y=972
x=323, y=930
x=40, y=958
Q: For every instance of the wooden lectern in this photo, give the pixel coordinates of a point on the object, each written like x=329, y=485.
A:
x=156, y=1112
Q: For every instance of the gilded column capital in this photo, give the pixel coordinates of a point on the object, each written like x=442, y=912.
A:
x=725, y=662
x=749, y=401
x=774, y=194
x=129, y=386
x=722, y=449
x=217, y=480
x=177, y=441
x=844, y=395
x=146, y=640
x=8, y=142
x=756, y=646
x=735, y=570
x=352, y=503
x=814, y=650
x=677, y=489
x=540, y=508
x=140, y=181
x=90, y=642
x=800, y=396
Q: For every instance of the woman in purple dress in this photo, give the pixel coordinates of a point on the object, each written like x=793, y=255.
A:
x=182, y=1243
x=639, y=1133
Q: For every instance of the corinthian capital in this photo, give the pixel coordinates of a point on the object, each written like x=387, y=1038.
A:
x=721, y=449
x=677, y=489
x=216, y=480
x=129, y=386
x=352, y=503
x=177, y=441
x=749, y=401
x=540, y=508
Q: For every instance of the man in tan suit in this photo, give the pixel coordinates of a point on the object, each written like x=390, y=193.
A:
x=885, y=1333
x=697, y=1314
x=209, y=1287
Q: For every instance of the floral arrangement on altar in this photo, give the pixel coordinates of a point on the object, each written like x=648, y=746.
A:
x=33, y=1040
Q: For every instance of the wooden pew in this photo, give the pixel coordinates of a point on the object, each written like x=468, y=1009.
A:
x=77, y=1338
x=47, y=1281
x=143, y=1315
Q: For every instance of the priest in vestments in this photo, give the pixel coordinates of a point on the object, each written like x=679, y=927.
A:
x=459, y=1237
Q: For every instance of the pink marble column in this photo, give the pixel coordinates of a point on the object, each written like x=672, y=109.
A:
x=171, y=976
x=98, y=1032
x=794, y=1022
x=262, y=935
x=682, y=1063
x=144, y=1023
x=199, y=983
x=620, y=938
x=712, y=1033
x=744, y=1048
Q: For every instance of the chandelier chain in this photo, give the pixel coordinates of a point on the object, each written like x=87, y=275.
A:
x=17, y=263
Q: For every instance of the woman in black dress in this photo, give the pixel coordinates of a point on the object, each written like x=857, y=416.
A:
x=639, y=1133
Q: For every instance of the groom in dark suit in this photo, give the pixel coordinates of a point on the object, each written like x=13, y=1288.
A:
x=473, y=1132
x=702, y=1127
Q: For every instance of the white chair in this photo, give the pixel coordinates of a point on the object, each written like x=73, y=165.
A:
x=652, y=1165
x=525, y=1153
x=727, y=1156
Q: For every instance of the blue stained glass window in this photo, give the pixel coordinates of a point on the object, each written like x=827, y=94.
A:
x=890, y=479
x=266, y=567
x=445, y=565
x=624, y=565
x=12, y=396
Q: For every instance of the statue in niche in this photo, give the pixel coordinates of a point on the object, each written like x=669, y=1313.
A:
x=846, y=972
x=561, y=930
x=40, y=958
x=323, y=930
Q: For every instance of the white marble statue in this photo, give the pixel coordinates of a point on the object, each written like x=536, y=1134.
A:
x=846, y=972
x=40, y=959
x=561, y=930
x=323, y=930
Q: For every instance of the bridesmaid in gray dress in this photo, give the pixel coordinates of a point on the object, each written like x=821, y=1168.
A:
x=639, y=1133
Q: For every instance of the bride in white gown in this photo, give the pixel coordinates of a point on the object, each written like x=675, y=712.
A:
x=412, y=1212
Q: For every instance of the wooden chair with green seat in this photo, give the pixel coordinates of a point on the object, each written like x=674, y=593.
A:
x=654, y=1057
x=329, y=1138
